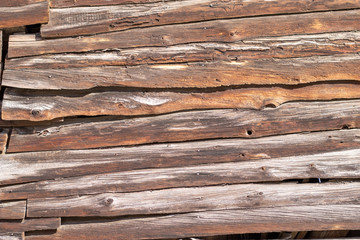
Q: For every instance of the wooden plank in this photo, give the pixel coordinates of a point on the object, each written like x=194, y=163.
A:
x=208, y=124
x=30, y=225
x=340, y=164
x=270, y=47
x=67, y=22
x=12, y=210
x=12, y=236
x=32, y=105
x=232, y=30
x=24, y=15
x=77, y=3
x=17, y=3
x=1, y=47
x=4, y=134
x=182, y=200
x=34, y=166
x=191, y=75
x=277, y=219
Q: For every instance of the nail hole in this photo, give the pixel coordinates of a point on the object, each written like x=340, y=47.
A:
x=242, y=154
x=345, y=126
x=263, y=168
x=35, y=112
x=249, y=132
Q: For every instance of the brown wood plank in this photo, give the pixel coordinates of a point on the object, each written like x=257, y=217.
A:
x=232, y=30
x=12, y=210
x=335, y=165
x=32, y=105
x=34, y=166
x=24, y=15
x=176, y=127
x=268, y=47
x=289, y=218
x=191, y=75
x=182, y=200
x=4, y=134
x=18, y=3
x=12, y=236
x=77, y=3
x=30, y=225
x=67, y=22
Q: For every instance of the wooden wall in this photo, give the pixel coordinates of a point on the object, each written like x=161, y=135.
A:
x=149, y=119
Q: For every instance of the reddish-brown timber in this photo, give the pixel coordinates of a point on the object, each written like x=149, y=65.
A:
x=30, y=225
x=19, y=15
x=12, y=210
x=285, y=218
x=231, y=30
x=329, y=165
x=191, y=75
x=183, y=200
x=195, y=125
x=77, y=3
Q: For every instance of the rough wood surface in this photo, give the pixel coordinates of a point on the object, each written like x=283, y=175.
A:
x=4, y=134
x=232, y=30
x=14, y=16
x=195, y=125
x=191, y=75
x=30, y=225
x=12, y=210
x=277, y=219
x=334, y=165
x=184, y=200
x=77, y=3
x=17, y=3
x=33, y=105
x=269, y=47
x=12, y=236
x=90, y=20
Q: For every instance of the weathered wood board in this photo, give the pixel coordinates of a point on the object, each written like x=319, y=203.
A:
x=74, y=3
x=266, y=47
x=12, y=236
x=232, y=30
x=277, y=219
x=334, y=165
x=12, y=210
x=191, y=75
x=185, y=200
x=14, y=13
x=90, y=20
x=195, y=125
x=4, y=135
x=33, y=105
x=30, y=225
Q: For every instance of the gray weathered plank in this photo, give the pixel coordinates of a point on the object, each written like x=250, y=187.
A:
x=90, y=20
x=19, y=104
x=277, y=219
x=12, y=210
x=184, y=200
x=30, y=225
x=195, y=125
x=289, y=71
x=232, y=30
x=340, y=164
x=12, y=236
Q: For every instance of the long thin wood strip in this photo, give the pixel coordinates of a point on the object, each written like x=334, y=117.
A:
x=191, y=75
x=184, y=200
x=277, y=219
x=1, y=47
x=271, y=47
x=24, y=15
x=12, y=236
x=67, y=22
x=77, y=3
x=30, y=225
x=341, y=164
x=34, y=166
x=33, y=105
x=12, y=210
x=17, y=3
x=209, y=124
x=232, y=30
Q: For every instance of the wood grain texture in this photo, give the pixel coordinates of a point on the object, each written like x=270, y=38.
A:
x=75, y=21
x=184, y=126
x=334, y=165
x=34, y=105
x=37, y=12
x=191, y=75
x=34, y=166
x=18, y=3
x=183, y=200
x=30, y=225
x=277, y=219
x=12, y=236
x=4, y=134
x=77, y=3
x=267, y=47
x=13, y=210
x=232, y=30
